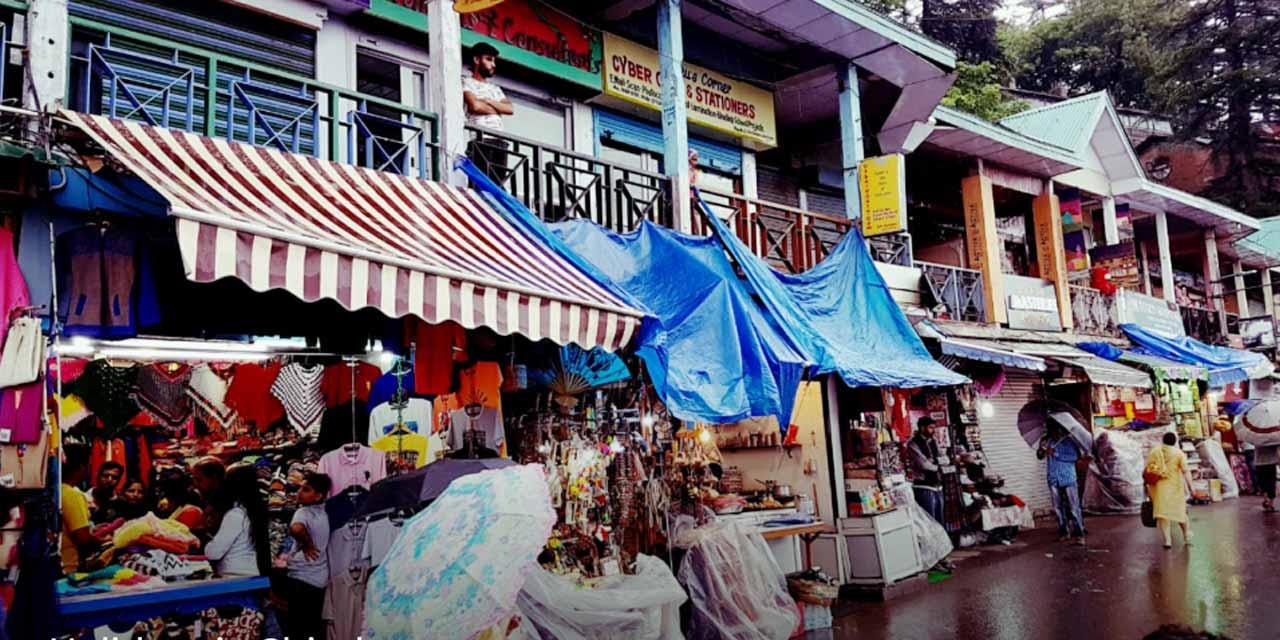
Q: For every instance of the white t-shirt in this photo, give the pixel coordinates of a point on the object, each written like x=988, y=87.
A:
x=484, y=90
x=487, y=427
x=417, y=416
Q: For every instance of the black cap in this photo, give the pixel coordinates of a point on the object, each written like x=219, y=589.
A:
x=484, y=49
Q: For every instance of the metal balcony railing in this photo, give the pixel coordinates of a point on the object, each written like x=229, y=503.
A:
x=1095, y=313
x=893, y=248
x=558, y=184
x=958, y=290
x=1203, y=325
x=791, y=239
x=134, y=76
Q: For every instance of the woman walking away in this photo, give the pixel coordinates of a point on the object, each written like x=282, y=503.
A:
x=1167, y=481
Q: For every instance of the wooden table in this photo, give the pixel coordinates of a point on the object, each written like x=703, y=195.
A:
x=807, y=533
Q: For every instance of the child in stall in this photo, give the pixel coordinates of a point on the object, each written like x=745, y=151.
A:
x=308, y=568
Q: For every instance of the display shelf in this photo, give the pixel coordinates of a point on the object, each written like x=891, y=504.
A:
x=786, y=447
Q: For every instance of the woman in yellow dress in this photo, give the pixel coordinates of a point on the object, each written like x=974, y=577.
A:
x=1169, y=494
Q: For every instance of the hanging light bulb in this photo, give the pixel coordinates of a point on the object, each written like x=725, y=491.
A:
x=986, y=409
x=704, y=436
x=647, y=421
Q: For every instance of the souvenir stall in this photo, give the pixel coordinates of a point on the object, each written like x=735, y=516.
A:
x=376, y=363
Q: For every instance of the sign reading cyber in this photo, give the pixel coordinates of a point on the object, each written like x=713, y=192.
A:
x=632, y=73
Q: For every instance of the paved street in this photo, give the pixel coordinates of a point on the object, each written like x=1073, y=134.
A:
x=1122, y=586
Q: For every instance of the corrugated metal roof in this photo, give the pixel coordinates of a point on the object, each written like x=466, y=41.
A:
x=1264, y=241
x=995, y=142
x=1068, y=124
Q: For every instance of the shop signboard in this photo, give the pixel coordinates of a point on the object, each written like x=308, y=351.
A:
x=632, y=74
x=1033, y=303
x=525, y=32
x=1151, y=313
x=882, y=186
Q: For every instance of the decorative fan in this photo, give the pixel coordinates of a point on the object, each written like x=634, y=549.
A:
x=575, y=371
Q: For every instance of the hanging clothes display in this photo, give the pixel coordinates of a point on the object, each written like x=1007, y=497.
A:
x=108, y=291
x=107, y=391
x=161, y=390
x=398, y=380
x=346, y=380
x=13, y=287
x=352, y=465
x=437, y=348
x=298, y=390
x=20, y=411
x=415, y=414
x=249, y=394
x=476, y=426
x=481, y=384
x=207, y=388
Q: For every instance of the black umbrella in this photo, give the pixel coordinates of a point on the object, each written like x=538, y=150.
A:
x=1033, y=421
x=413, y=489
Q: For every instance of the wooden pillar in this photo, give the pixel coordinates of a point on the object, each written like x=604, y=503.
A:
x=1166, y=258
x=1212, y=274
x=851, y=151
x=1051, y=252
x=1268, y=297
x=675, y=116
x=1237, y=283
x=982, y=243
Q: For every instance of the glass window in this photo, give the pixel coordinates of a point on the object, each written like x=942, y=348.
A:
x=537, y=120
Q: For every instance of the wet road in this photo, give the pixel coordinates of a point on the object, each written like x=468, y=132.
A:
x=1123, y=585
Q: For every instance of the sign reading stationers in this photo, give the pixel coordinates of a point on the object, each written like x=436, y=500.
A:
x=882, y=187
x=631, y=73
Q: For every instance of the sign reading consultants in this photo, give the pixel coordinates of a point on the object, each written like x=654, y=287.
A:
x=631, y=73
x=882, y=186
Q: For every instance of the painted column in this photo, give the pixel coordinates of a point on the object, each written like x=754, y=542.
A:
x=982, y=242
x=1146, y=267
x=444, y=77
x=1166, y=257
x=1268, y=296
x=1237, y=283
x=851, y=138
x=1051, y=254
x=48, y=31
x=1212, y=274
x=675, y=118
x=1110, y=229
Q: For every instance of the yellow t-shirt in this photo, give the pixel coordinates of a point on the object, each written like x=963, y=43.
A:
x=410, y=449
x=75, y=516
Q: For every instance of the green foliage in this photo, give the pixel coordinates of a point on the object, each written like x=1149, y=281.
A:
x=967, y=26
x=1095, y=45
x=977, y=90
x=896, y=9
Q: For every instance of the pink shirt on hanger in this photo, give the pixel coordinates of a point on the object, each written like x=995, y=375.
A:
x=363, y=467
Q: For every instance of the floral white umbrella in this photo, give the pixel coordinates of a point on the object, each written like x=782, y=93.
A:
x=457, y=567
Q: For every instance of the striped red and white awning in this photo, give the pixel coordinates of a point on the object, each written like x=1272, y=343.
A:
x=364, y=238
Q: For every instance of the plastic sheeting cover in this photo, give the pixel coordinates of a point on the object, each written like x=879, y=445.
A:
x=644, y=606
x=1225, y=365
x=1115, y=474
x=716, y=356
x=931, y=537
x=738, y=590
x=1210, y=451
x=842, y=315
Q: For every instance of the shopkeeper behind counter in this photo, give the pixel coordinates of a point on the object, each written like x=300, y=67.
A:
x=78, y=541
x=926, y=475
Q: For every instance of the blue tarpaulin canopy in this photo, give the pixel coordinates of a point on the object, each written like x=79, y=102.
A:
x=718, y=357
x=1225, y=365
x=842, y=315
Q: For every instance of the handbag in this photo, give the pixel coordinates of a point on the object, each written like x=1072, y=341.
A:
x=24, y=353
x=1155, y=470
x=1148, y=513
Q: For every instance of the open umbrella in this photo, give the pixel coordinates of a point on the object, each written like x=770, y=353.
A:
x=412, y=490
x=1259, y=424
x=457, y=567
x=1033, y=420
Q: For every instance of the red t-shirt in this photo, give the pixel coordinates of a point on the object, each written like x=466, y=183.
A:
x=336, y=382
x=250, y=394
x=437, y=347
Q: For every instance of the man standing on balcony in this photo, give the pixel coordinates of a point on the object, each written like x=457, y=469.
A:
x=486, y=104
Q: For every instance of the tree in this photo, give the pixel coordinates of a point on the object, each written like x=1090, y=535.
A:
x=1220, y=79
x=967, y=26
x=896, y=9
x=977, y=90
x=1095, y=45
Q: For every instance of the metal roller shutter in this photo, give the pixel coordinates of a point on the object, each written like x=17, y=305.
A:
x=774, y=185
x=631, y=132
x=823, y=201
x=1007, y=453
